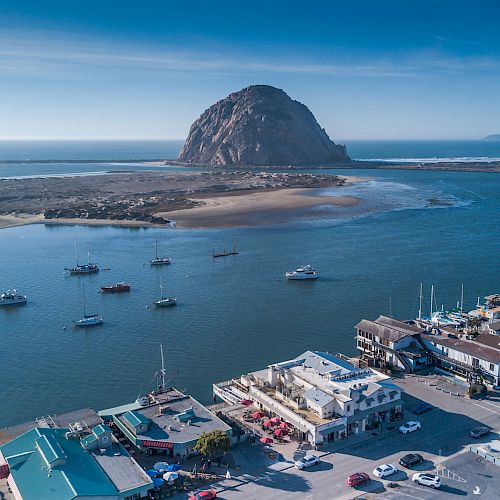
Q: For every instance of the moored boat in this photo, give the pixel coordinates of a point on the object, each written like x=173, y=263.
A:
x=165, y=301
x=116, y=288
x=225, y=253
x=302, y=273
x=11, y=297
x=159, y=261
x=88, y=319
x=82, y=268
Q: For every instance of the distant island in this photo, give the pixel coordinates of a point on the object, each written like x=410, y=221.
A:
x=492, y=137
x=259, y=126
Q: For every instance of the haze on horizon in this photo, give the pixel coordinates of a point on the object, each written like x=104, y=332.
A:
x=367, y=70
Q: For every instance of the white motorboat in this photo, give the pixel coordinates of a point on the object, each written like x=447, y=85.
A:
x=11, y=298
x=88, y=319
x=302, y=273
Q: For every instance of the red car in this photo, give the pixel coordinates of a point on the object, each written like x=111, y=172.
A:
x=357, y=479
x=203, y=495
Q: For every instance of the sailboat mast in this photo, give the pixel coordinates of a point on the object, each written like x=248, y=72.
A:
x=420, y=304
x=76, y=252
x=83, y=295
x=462, y=300
x=162, y=369
x=156, y=247
x=432, y=297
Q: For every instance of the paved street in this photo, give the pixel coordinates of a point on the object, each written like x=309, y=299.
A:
x=443, y=439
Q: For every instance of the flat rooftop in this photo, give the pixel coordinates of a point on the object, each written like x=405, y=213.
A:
x=121, y=468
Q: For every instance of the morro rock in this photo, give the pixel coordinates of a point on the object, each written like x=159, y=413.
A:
x=259, y=125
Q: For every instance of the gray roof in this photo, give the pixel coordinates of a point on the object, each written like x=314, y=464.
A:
x=388, y=328
x=324, y=363
x=489, y=340
x=495, y=325
x=317, y=396
x=470, y=347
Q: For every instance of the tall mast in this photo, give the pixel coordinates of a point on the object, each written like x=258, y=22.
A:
x=83, y=294
x=462, y=299
x=156, y=247
x=76, y=251
x=88, y=255
x=162, y=369
x=420, y=304
x=432, y=297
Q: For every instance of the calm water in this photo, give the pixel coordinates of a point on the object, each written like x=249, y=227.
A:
x=235, y=314
x=115, y=151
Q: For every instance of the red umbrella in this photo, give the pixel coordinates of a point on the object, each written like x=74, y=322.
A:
x=268, y=423
x=280, y=432
x=246, y=402
x=284, y=425
x=275, y=420
x=258, y=414
x=266, y=440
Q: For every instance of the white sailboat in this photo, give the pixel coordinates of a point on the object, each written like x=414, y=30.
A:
x=82, y=268
x=88, y=319
x=159, y=261
x=165, y=301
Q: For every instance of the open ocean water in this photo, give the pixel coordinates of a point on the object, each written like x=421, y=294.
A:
x=238, y=313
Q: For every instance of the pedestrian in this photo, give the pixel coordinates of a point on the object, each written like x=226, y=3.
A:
x=209, y=463
x=228, y=474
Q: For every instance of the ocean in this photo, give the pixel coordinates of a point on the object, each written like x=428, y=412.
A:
x=235, y=314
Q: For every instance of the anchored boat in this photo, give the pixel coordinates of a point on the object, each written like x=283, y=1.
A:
x=302, y=273
x=159, y=261
x=88, y=319
x=82, y=268
x=165, y=301
x=11, y=298
x=116, y=288
x=225, y=253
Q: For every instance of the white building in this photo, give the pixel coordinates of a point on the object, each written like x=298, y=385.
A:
x=323, y=396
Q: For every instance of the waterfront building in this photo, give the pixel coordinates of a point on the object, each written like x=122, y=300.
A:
x=167, y=422
x=324, y=397
x=64, y=464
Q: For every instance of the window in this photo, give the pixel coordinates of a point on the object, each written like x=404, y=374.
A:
x=475, y=362
x=348, y=407
x=492, y=367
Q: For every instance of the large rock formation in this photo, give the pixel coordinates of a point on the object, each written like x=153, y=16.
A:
x=259, y=125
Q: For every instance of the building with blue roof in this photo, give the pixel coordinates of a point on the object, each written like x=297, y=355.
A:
x=59, y=464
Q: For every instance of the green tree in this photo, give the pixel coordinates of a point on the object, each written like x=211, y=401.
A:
x=213, y=444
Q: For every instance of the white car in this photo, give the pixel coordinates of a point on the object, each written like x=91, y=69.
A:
x=384, y=470
x=426, y=479
x=411, y=426
x=307, y=461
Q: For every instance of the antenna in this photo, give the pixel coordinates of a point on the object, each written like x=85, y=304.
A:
x=420, y=304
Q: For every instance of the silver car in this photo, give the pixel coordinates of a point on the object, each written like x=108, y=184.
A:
x=427, y=479
x=307, y=461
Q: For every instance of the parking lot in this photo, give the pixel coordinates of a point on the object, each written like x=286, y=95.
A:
x=443, y=441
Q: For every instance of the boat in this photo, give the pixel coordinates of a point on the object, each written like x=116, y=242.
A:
x=159, y=261
x=82, y=268
x=302, y=273
x=88, y=319
x=12, y=298
x=116, y=288
x=225, y=253
x=165, y=301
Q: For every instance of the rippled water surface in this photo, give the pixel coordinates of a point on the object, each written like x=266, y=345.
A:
x=235, y=314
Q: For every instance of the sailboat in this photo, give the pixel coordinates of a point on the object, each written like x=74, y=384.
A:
x=165, y=301
x=159, y=261
x=88, y=319
x=82, y=268
x=225, y=253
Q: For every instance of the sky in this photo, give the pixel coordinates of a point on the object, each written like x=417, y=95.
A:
x=406, y=69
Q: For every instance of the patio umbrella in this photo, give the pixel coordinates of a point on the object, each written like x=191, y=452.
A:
x=275, y=420
x=157, y=482
x=173, y=468
x=246, y=402
x=284, y=425
x=267, y=423
x=280, y=432
x=151, y=472
x=170, y=476
x=160, y=466
x=265, y=440
x=258, y=414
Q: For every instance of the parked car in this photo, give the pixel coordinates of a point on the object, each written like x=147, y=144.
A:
x=427, y=479
x=307, y=461
x=479, y=432
x=411, y=459
x=203, y=495
x=384, y=470
x=422, y=408
x=411, y=426
x=357, y=479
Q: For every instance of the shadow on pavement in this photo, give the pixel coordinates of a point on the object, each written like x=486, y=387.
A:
x=452, y=491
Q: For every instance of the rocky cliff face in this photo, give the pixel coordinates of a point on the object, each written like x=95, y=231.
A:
x=259, y=125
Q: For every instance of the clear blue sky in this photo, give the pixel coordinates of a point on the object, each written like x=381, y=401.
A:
x=146, y=69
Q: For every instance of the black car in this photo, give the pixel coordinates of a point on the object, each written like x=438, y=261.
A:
x=422, y=408
x=411, y=459
x=479, y=432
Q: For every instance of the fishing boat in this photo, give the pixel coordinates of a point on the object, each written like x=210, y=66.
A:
x=302, y=273
x=12, y=298
x=225, y=253
x=116, y=288
x=165, y=301
x=159, y=261
x=82, y=268
x=88, y=319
